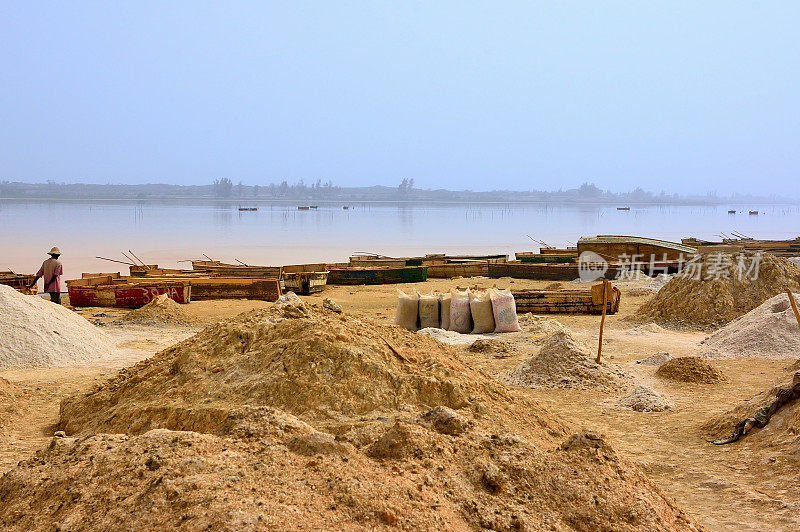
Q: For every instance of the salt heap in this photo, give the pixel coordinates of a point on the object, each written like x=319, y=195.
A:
x=36, y=333
x=686, y=302
x=160, y=311
x=643, y=399
x=768, y=331
x=562, y=363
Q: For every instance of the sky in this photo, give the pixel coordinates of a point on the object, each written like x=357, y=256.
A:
x=676, y=96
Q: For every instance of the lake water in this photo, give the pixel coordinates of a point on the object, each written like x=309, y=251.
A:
x=280, y=234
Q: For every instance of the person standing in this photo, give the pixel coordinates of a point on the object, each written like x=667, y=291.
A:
x=51, y=271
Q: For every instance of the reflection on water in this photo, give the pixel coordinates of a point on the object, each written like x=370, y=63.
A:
x=278, y=233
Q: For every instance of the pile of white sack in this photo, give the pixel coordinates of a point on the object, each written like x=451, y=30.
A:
x=465, y=312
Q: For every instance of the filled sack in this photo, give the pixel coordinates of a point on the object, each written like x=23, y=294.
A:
x=407, y=310
x=480, y=305
x=504, y=309
x=444, y=311
x=428, y=311
x=460, y=317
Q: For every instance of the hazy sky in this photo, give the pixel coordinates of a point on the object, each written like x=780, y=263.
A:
x=669, y=95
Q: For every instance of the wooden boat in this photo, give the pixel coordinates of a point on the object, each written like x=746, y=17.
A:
x=205, y=287
x=753, y=213
x=112, y=290
x=614, y=248
x=586, y=301
x=19, y=281
x=448, y=270
x=542, y=271
x=623, y=208
x=222, y=269
x=315, y=207
x=549, y=254
x=305, y=279
x=345, y=207
x=247, y=209
x=784, y=248
x=303, y=207
x=731, y=211
x=350, y=275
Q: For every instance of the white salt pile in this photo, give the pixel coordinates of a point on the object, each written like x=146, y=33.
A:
x=655, y=359
x=563, y=363
x=452, y=337
x=36, y=333
x=540, y=327
x=768, y=331
x=645, y=330
x=643, y=399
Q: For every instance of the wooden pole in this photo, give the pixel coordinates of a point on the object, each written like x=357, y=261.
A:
x=146, y=267
x=794, y=306
x=602, y=319
x=119, y=261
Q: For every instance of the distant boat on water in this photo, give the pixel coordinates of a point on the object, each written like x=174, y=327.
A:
x=345, y=207
x=315, y=207
x=303, y=207
x=731, y=211
x=623, y=208
x=753, y=213
x=241, y=209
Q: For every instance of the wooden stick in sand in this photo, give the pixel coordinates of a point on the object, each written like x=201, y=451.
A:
x=794, y=306
x=602, y=319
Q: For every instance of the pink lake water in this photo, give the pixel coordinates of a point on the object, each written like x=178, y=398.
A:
x=276, y=234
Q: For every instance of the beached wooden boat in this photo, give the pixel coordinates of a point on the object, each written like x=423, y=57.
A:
x=785, y=248
x=222, y=269
x=19, y=281
x=585, y=301
x=112, y=290
x=305, y=279
x=542, y=271
x=614, y=248
x=449, y=270
x=376, y=275
x=549, y=254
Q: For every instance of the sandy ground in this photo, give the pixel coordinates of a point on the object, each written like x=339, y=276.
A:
x=725, y=488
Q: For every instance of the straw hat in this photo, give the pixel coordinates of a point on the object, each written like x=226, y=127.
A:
x=54, y=251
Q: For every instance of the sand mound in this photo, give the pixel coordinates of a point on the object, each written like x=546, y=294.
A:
x=643, y=399
x=768, y=331
x=160, y=311
x=563, y=363
x=163, y=480
x=37, y=333
x=690, y=369
x=685, y=302
x=329, y=422
x=497, y=347
x=323, y=366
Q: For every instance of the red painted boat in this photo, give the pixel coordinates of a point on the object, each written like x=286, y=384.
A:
x=109, y=290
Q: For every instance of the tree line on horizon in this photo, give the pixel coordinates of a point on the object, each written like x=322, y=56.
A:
x=225, y=189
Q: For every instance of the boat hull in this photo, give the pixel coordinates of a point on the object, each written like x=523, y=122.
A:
x=379, y=275
x=567, y=301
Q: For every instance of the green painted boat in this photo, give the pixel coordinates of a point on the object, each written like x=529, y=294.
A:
x=377, y=275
